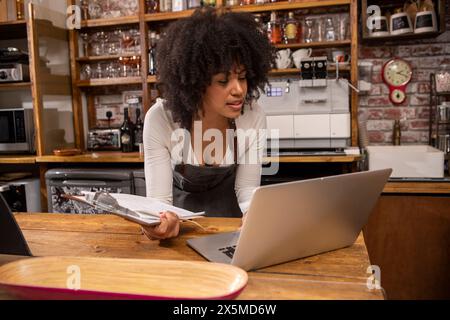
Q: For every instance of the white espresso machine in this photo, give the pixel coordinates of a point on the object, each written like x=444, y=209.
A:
x=308, y=116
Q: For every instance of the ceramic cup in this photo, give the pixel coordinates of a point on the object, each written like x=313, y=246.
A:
x=300, y=54
x=425, y=22
x=340, y=56
x=400, y=24
x=284, y=59
x=379, y=27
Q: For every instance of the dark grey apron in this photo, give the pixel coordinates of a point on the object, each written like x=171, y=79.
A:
x=207, y=188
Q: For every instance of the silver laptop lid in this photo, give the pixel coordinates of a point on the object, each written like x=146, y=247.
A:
x=303, y=218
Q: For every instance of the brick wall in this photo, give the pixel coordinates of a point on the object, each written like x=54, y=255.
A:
x=425, y=56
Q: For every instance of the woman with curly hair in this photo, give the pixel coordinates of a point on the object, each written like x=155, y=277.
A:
x=211, y=67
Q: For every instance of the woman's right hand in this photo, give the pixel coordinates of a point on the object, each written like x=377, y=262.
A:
x=168, y=228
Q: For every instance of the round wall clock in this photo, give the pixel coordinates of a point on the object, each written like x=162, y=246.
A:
x=397, y=73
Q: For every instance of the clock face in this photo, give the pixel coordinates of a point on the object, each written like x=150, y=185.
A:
x=398, y=96
x=397, y=73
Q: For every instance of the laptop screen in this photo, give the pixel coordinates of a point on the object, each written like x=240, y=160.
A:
x=12, y=241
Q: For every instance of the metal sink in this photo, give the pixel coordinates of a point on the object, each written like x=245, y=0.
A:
x=414, y=161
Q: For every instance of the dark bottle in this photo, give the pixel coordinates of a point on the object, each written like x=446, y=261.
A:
x=152, y=55
x=126, y=134
x=138, y=131
x=397, y=134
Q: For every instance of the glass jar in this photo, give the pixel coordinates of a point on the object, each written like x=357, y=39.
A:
x=443, y=79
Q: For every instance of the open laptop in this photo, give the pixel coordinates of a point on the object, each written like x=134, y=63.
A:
x=12, y=241
x=298, y=219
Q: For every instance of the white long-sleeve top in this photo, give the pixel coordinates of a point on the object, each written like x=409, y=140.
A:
x=162, y=152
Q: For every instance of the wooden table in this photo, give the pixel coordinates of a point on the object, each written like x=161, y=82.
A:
x=335, y=275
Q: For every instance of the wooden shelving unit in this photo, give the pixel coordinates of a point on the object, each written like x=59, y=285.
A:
x=149, y=21
x=15, y=86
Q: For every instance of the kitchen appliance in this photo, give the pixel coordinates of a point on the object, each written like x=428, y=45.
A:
x=314, y=72
x=14, y=72
x=75, y=181
x=139, y=183
x=16, y=130
x=308, y=117
x=13, y=55
x=13, y=65
x=103, y=139
x=22, y=195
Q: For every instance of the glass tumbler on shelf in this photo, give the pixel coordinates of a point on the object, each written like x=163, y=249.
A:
x=344, y=26
x=309, y=30
x=84, y=5
x=99, y=71
x=124, y=66
x=135, y=62
x=85, y=43
x=94, y=9
x=112, y=70
x=86, y=72
x=230, y=3
x=443, y=79
x=330, y=31
x=152, y=6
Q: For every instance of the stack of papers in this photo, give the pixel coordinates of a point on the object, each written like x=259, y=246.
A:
x=143, y=210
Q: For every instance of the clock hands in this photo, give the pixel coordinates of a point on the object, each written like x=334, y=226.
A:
x=403, y=74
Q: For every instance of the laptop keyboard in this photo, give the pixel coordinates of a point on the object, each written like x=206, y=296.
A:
x=228, y=251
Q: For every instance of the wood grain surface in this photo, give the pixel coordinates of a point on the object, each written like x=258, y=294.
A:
x=128, y=278
x=340, y=274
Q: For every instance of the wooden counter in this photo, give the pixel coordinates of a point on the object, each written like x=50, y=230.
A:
x=418, y=187
x=17, y=159
x=119, y=157
x=339, y=274
x=408, y=236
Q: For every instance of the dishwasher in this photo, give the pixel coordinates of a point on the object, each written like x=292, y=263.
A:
x=75, y=181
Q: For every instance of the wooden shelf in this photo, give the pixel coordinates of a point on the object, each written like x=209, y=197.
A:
x=412, y=36
x=13, y=30
x=109, y=82
x=118, y=157
x=17, y=159
x=283, y=5
x=15, y=85
x=440, y=9
x=322, y=44
x=286, y=5
x=93, y=23
x=103, y=58
x=94, y=157
x=313, y=159
x=331, y=68
x=166, y=16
